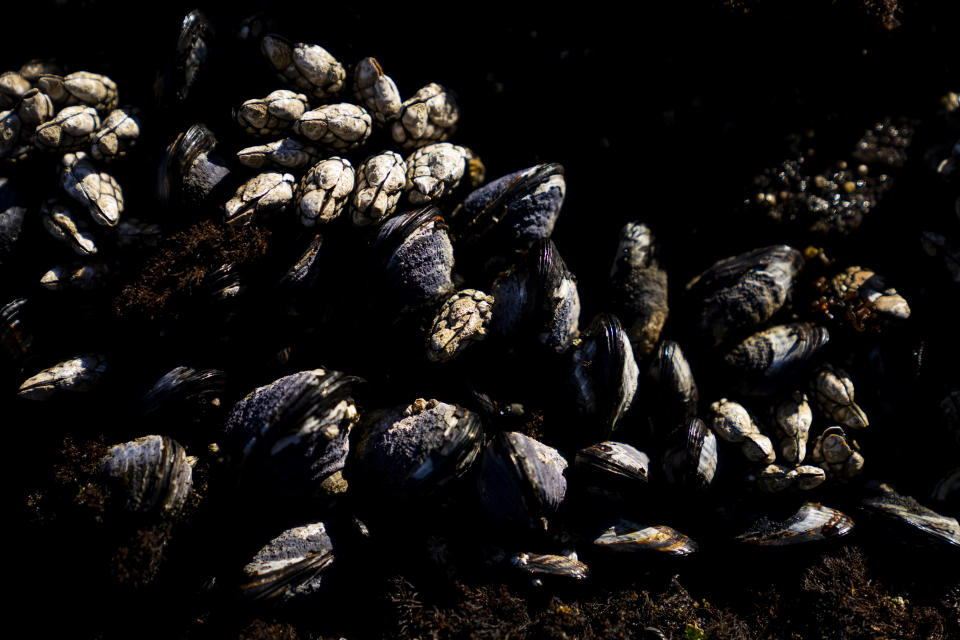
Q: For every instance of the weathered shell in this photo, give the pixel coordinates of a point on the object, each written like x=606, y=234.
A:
x=766, y=360
x=521, y=480
x=191, y=167
x=520, y=208
x=757, y=447
x=794, y=418
x=290, y=566
x=323, y=191
x=677, y=390
x=603, y=373
x=116, y=136
x=550, y=565
x=82, y=373
x=272, y=115
x=63, y=225
x=98, y=191
x=731, y=421
x=81, y=87
x=12, y=212
x=70, y=130
x=812, y=523
x=34, y=109
x=833, y=391
x=918, y=522
x=33, y=69
x=75, y=276
x=538, y=295
x=309, y=68
x=292, y=434
x=836, y=455
x=261, y=197
x=381, y=181
x=429, y=116
x=149, y=474
x=639, y=288
x=376, y=91
x=339, y=127
x=12, y=87
x=627, y=536
x=462, y=320
x=613, y=465
x=417, y=255
x=862, y=283
x=10, y=127
x=185, y=393
x=415, y=449
x=694, y=462
x=435, y=170
x=287, y=153
x=743, y=292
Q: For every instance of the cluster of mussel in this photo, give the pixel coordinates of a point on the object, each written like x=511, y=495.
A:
x=512, y=308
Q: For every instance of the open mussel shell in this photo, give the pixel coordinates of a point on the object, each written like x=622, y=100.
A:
x=521, y=480
x=694, y=462
x=812, y=523
x=291, y=566
x=603, y=373
x=191, y=168
x=417, y=255
x=550, y=565
x=539, y=296
x=765, y=361
x=149, y=474
x=415, y=449
x=911, y=520
x=289, y=436
x=522, y=206
x=626, y=536
x=743, y=292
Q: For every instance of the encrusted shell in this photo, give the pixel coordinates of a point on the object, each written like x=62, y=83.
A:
x=290, y=566
x=309, y=68
x=272, y=115
x=435, y=170
x=115, y=137
x=339, y=127
x=462, y=320
x=323, y=191
x=70, y=130
x=376, y=91
x=98, y=191
x=429, y=116
x=265, y=195
x=381, y=181
x=287, y=153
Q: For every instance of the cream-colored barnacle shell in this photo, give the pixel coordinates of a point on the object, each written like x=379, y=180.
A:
x=286, y=152
x=117, y=134
x=98, y=191
x=376, y=91
x=34, y=109
x=12, y=87
x=835, y=395
x=267, y=193
x=309, y=68
x=80, y=277
x=462, y=320
x=794, y=418
x=429, y=116
x=381, y=180
x=339, y=127
x=272, y=115
x=757, y=447
x=435, y=170
x=731, y=421
x=9, y=131
x=60, y=221
x=94, y=89
x=69, y=130
x=324, y=190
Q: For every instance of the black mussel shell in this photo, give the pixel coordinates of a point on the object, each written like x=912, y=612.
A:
x=191, y=168
x=16, y=336
x=743, y=292
x=417, y=254
x=522, y=206
x=914, y=522
x=630, y=537
x=539, y=296
x=765, y=361
x=151, y=474
x=11, y=218
x=639, y=288
x=184, y=394
x=694, y=462
x=291, y=566
x=615, y=460
x=812, y=523
x=604, y=374
x=289, y=436
x=521, y=480
x=189, y=60
x=414, y=449
x=676, y=388
x=546, y=565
